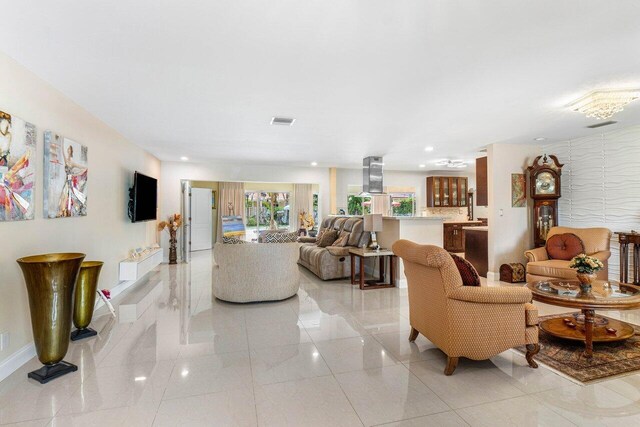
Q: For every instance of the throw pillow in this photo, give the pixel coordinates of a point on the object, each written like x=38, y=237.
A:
x=320, y=233
x=233, y=240
x=328, y=238
x=467, y=271
x=564, y=246
x=281, y=237
x=343, y=240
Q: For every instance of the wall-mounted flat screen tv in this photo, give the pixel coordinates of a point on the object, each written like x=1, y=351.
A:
x=143, y=198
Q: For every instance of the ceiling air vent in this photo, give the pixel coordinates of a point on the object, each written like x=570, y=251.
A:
x=599, y=125
x=282, y=121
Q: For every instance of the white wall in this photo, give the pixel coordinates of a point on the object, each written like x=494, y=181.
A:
x=509, y=232
x=601, y=184
x=173, y=172
x=105, y=234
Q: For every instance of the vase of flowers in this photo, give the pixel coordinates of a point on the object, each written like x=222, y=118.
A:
x=586, y=267
x=306, y=223
x=172, y=225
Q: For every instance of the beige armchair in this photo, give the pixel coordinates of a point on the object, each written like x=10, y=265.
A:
x=464, y=321
x=596, y=244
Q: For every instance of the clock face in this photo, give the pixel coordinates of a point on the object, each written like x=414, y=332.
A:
x=545, y=183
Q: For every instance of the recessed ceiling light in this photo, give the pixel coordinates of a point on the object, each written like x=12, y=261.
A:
x=428, y=148
x=540, y=138
x=282, y=121
x=314, y=163
x=422, y=166
x=184, y=158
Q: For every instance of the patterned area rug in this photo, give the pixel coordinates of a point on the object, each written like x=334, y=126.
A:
x=609, y=359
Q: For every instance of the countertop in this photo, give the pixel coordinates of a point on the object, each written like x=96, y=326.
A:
x=462, y=222
x=415, y=218
x=480, y=228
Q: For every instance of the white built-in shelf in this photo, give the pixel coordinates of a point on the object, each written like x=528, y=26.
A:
x=139, y=299
x=135, y=268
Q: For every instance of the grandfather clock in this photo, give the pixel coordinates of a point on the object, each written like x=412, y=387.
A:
x=544, y=182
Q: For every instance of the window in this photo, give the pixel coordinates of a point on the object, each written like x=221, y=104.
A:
x=357, y=205
x=315, y=210
x=403, y=204
x=258, y=209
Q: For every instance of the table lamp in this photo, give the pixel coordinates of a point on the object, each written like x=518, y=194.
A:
x=373, y=223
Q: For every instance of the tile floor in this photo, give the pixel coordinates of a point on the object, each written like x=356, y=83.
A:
x=331, y=356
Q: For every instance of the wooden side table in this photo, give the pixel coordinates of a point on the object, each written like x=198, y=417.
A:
x=363, y=254
x=625, y=239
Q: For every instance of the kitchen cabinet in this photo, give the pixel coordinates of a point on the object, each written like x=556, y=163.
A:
x=447, y=191
x=482, y=195
x=454, y=237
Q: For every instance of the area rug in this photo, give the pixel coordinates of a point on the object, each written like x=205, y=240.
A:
x=609, y=359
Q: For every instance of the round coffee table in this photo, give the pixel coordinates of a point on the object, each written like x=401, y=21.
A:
x=588, y=327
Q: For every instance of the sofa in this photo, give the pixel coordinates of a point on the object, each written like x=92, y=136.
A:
x=333, y=262
x=255, y=271
x=596, y=243
x=476, y=322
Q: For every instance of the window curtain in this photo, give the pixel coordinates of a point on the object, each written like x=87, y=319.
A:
x=302, y=202
x=230, y=202
x=380, y=204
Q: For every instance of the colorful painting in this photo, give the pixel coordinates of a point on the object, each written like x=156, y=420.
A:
x=65, y=177
x=518, y=190
x=17, y=168
x=232, y=226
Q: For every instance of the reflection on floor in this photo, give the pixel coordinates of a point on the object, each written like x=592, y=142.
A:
x=331, y=356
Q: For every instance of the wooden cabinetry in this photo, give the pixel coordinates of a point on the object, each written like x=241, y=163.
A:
x=482, y=196
x=447, y=191
x=454, y=238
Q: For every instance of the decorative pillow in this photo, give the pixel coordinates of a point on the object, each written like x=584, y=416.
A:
x=467, y=271
x=281, y=237
x=233, y=241
x=564, y=246
x=328, y=238
x=343, y=240
x=320, y=233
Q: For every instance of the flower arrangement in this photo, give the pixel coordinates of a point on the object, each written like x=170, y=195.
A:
x=306, y=220
x=172, y=226
x=585, y=264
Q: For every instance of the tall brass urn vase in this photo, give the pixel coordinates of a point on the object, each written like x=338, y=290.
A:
x=85, y=299
x=50, y=280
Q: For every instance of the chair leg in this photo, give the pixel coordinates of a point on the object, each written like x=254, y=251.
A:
x=452, y=364
x=532, y=350
x=413, y=335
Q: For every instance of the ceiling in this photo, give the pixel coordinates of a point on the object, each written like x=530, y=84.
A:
x=203, y=79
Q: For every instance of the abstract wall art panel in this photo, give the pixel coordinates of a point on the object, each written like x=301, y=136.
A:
x=17, y=168
x=518, y=190
x=65, y=177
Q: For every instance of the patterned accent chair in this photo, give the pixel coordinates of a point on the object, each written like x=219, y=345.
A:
x=597, y=242
x=476, y=322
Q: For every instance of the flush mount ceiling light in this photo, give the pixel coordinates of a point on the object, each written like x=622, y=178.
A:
x=451, y=163
x=604, y=103
x=428, y=148
x=282, y=121
x=314, y=163
x=422, y=166
x=184, y=158
x=540, y=138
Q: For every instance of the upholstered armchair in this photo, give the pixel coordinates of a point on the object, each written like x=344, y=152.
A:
x=476, y=322
x=596, y=243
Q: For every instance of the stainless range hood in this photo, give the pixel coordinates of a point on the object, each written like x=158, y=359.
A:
x=372, y=175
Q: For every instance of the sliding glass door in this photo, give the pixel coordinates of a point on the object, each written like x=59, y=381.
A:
x=264, y=211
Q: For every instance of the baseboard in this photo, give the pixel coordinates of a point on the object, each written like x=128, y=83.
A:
x=16, y=360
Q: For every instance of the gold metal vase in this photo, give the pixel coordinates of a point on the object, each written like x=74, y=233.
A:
x=85, y=299
x=50, y=281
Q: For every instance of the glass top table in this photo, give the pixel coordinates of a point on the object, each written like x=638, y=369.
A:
x=605, y=295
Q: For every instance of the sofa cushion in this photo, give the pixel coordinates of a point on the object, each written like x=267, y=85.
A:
x=552, y=268
x=281, y=237
x=328, y=238
x=564, y=246
x=338, y=250
x=342, y=240
x=356, y=233
x=467, y=271
x=233, y=240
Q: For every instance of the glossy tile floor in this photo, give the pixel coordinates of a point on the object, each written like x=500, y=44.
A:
x=331, y=356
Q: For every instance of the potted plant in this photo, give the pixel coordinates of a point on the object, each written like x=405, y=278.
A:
x=175, y=221
x=586, y=266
